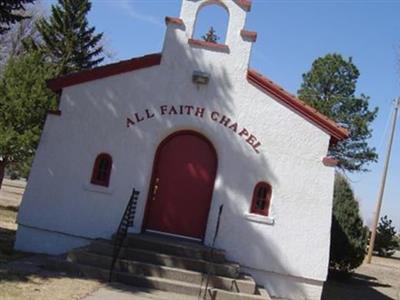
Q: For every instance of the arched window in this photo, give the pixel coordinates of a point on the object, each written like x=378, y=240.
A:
x=261, y=199
x=102, y=170
x=211, y=23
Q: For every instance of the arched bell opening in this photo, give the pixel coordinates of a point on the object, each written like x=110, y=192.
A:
x=212, y=21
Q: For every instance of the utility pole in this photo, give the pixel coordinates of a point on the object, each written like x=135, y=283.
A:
x=383, y=182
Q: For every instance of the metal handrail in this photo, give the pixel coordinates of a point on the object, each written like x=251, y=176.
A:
x=212, y=252
x=127, y=221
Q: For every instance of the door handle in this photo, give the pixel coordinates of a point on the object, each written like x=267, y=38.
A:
x=156, y=187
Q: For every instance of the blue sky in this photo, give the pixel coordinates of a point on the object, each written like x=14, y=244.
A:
x=291, y=34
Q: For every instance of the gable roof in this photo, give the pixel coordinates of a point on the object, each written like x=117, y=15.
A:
x=123, y=66
x=311, y=114
x=266, y=85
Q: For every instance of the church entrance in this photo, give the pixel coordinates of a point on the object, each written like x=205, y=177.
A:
x=182, y=184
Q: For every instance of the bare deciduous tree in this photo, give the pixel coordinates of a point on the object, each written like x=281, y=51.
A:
x=11, y=41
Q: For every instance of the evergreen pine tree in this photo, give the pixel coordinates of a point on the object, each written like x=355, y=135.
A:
x=386, y=242
x=24, y=102
x=68, y=40
x=397, y=239
x=11, y=13
x=211, y=36
x=330, y=87
x=348, y=235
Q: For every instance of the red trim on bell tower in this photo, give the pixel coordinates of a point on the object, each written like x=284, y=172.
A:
x=245, y=4
x=173, y=20
x=250, y=35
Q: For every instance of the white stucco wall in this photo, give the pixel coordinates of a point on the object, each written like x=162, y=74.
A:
x=289, y=257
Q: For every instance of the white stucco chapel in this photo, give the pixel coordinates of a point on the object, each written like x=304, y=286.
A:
x=192, y=128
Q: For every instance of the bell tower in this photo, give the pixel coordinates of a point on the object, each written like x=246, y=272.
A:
x=233, y=55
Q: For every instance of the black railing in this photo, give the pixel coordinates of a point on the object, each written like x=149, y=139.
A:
x=126, y=222
x=210, y=264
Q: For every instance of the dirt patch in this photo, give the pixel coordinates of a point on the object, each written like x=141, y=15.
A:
x=379, y=280
x=23, y=276
x=43, y=285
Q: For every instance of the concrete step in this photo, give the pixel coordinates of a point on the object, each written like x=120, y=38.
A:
x=150, y=282
x=106, y=248
x=167, y=245
x=225, y=295
x=263, y=292
x=243, y=285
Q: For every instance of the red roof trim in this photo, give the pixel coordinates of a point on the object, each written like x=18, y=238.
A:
x=172, y=20
x=251, y=35
x=330, y=161
x=337, y=132
x=147, y=61
x=209, y=45
x=245, y=4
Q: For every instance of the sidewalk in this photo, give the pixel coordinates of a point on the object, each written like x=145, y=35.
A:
x=117, y=291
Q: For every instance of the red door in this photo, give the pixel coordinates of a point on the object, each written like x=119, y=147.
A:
x=182, y=185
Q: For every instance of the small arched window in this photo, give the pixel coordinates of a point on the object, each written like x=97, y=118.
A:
x=102, y=170
x=261, y=199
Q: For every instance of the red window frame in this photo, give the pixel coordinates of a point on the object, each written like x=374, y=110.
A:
x=261, y=199
x=102, y=170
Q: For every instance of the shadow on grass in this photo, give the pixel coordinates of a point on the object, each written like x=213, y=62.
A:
x=7, y=253
x=359, y=286
x=9, y=208
x=390, y=257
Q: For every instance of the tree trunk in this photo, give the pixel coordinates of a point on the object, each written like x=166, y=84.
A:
x=2, y=171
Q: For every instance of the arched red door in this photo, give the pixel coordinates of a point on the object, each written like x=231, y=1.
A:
x=182, y=184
